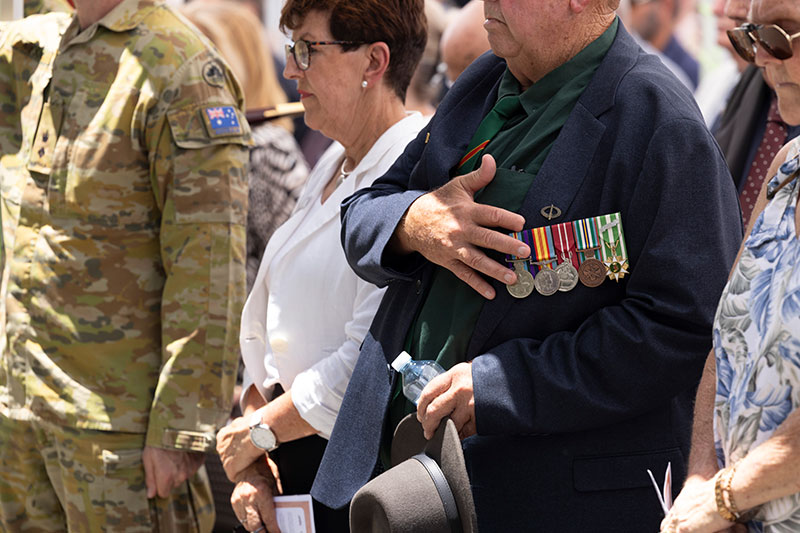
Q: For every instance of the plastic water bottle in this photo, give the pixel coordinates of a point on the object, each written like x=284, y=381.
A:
x=416, y=374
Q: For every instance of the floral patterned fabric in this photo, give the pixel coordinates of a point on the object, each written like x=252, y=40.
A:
x=757, y=342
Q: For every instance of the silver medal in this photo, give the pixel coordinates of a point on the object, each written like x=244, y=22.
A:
x=524, y=285
x=567, y=276
x=546, y=282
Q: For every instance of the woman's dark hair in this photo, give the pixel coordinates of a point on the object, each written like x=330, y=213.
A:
x=398, y=23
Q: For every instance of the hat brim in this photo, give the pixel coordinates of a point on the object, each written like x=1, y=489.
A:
x=445, y=448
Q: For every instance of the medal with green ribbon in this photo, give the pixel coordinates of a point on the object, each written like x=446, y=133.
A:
x=614, y=251
x=592, y=271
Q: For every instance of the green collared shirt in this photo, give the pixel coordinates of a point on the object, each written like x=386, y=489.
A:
x=444, y=325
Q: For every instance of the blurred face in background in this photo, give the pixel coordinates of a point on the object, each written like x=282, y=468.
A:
x=784, y=74
x=725, y=23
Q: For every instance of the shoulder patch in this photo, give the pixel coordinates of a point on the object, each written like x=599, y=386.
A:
x=221, y=121
x=213, y=73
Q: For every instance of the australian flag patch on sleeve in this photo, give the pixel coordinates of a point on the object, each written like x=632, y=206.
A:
x=222, y=120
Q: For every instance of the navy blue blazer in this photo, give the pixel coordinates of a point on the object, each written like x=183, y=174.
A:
x=578, y=393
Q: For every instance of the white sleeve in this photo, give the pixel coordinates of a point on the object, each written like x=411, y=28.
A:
x=317, y=392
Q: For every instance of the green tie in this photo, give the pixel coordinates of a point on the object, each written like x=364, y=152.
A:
x=505, y=108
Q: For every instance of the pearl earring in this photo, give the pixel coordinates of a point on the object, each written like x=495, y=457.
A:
x=364, y=84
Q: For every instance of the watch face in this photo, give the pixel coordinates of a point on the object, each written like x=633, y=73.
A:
x=263, y=437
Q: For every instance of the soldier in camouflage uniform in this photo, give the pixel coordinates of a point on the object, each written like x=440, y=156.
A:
x=123, y=157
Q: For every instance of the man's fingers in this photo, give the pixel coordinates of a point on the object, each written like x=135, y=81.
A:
x=266, y=509
x=149, y=475
x=480, y=178
x=489, y=216
x=499, y=242
x=472, y=278
x=474, y=261
x=462, y=417
x=165, y=482
x=434, y=388
x=444, y=404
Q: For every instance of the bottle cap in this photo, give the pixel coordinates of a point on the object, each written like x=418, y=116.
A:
x=401, y=360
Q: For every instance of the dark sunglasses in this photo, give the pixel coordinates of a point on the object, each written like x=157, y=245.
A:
x=301, y=51
x=775, y=41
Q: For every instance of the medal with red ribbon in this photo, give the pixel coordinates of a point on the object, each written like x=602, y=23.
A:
x=566, y=257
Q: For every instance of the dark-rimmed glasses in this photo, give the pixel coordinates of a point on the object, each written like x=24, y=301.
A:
x=774, y=39
x=301, y=50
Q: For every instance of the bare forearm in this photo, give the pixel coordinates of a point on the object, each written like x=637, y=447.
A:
x=252, y=400
x=285, y=420
x=772, y=470
x=703, y=458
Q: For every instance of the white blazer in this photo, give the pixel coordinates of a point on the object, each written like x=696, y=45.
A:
x=304, y=321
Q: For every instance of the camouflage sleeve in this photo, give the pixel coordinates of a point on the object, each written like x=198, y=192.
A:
x=199, y=153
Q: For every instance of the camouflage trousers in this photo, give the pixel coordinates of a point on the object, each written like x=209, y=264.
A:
x=55, y=479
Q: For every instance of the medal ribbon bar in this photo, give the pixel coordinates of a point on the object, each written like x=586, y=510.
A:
x=565, y=244
x=543, y=246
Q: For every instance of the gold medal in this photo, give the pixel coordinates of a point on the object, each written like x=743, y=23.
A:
x=616, y=264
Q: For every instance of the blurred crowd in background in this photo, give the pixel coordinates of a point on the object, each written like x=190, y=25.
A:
x=688, y=35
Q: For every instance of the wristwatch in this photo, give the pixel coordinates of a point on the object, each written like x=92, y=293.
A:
x=261, y=434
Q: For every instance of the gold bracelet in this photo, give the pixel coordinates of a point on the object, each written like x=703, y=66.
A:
x=727, y=488
x=741, y=517
x=722, y=508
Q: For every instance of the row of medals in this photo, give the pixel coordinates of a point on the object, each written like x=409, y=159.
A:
x=564, y=277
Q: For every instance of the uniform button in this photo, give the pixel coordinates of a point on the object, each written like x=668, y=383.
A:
x=45, y=136
x=419, y=286
x=41, y=152
x=279, y=343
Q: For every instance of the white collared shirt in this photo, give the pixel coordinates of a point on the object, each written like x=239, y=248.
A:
x=308, y=313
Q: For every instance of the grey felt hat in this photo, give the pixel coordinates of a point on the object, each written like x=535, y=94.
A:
x=426, y=490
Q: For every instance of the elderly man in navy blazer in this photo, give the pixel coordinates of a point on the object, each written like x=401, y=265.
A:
x=564, y=395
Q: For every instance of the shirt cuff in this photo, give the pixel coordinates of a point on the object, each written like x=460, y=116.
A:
x=309, y=398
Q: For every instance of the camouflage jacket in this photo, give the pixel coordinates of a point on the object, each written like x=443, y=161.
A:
x=123, y=156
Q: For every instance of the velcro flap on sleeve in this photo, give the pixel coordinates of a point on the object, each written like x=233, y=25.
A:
x=201, y=126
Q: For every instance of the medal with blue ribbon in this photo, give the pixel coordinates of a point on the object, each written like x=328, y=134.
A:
x=523, y=287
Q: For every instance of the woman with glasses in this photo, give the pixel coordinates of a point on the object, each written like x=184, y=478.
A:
x=744, y=468
x=308, y=313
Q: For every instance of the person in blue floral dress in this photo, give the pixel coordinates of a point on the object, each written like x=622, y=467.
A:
x=744, y=469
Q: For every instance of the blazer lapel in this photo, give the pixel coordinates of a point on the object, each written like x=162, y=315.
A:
x=450, y=136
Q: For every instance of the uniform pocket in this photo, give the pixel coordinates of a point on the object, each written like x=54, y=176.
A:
x=106, y=175
x=125, y=493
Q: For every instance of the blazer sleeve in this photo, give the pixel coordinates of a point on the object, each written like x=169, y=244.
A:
x=634, y=356
x=371, y=215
